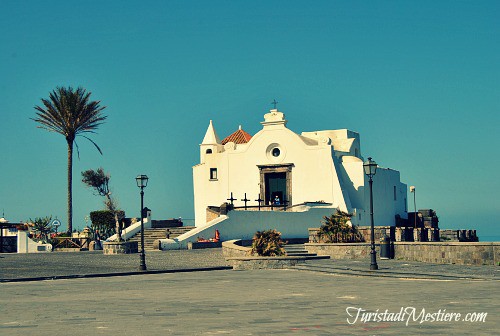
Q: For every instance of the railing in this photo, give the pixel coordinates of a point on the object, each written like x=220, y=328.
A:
x=72, y=242
x=276, y=207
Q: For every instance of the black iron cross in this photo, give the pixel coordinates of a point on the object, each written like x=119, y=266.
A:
x=245, y=200
x=260, y=200
x=232, y=198
x=274, y=103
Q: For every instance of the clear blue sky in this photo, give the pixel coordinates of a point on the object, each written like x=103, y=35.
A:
x=419, y=80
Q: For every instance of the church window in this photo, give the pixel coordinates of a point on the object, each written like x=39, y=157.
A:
x=276, y=152
x=395, y=197
x=213, y=173
x=209, y=151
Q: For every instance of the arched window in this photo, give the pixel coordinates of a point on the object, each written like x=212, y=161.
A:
x=209, y=151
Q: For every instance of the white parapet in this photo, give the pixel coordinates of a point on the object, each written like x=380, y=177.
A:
x=181, y=242
x=27, y=245
x=243, y=224
x=133, y=229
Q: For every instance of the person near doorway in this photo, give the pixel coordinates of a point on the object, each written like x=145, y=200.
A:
x=277, y=200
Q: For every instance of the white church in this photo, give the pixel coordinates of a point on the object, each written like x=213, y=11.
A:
x=278, y=179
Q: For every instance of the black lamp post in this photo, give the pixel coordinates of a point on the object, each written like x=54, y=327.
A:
x=412, y=190
x=370, y=168
x=142, y=182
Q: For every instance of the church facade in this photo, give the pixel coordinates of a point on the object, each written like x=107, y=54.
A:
x=279, y=167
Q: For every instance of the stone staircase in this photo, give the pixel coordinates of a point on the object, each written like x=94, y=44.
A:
x=298, y=250
x=150, y=235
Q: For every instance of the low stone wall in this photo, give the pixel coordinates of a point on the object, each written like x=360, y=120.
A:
x=379, y=232
x=449, y=253
x=211, y=214
x=121, y=247
x=252, y=263
x=203, y=245
x=232, y=248
x=240, y=259
x=342, y=250
x=70, y=249
x=434, y=252
x=365, y=231
x=459, y=235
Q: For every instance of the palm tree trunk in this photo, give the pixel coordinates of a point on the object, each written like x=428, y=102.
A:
x=70, y=184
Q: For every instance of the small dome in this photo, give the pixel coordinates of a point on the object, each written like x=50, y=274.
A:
x=238, y=137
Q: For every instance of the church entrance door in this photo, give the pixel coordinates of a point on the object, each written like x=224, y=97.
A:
x=276, y=180
x=275, y=188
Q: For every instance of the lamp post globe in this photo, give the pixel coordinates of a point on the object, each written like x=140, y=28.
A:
x=142, y=182
x=370, y=169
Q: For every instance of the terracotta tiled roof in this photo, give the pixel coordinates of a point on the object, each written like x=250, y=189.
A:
x=238, y=137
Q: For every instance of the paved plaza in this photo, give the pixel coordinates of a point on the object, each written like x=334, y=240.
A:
x=60, y=264
x=258, y=302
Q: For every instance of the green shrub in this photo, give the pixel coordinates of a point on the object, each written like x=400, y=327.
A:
x=42, y=227
x=267, y=243
x=104, y=221
x=336, y=229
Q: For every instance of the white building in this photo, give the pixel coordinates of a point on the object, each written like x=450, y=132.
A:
x=324, y=166
x=315, y=173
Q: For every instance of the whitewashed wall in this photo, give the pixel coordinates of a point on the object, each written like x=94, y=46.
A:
x=243, y=225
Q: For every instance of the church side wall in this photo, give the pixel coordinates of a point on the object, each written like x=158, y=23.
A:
x=206, y=191
x=385, y=204
x=352, y=173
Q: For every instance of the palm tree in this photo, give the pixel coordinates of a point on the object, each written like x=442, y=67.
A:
x=70, y=113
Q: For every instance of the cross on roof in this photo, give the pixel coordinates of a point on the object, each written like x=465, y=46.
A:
x=274, y=102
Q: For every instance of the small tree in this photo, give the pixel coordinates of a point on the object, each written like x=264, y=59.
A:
x=42, y=227
x=267, y=243
x=99, y=181
x=336, y=228
x=104, y=222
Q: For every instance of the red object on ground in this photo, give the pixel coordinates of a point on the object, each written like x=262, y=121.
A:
x=217, y=235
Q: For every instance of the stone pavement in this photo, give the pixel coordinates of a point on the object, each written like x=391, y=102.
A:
x=36, y=265
x=259, y=302
x=404, y=269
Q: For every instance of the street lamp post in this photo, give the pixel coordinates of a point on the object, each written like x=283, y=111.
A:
x=370, y=168
x=142, y=182
x=412, y=190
